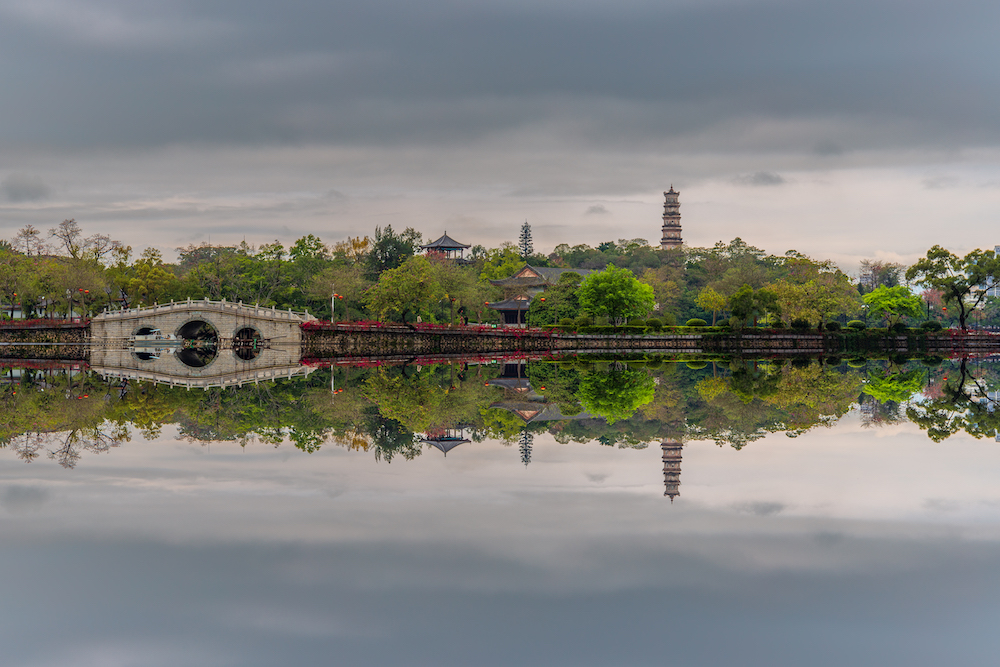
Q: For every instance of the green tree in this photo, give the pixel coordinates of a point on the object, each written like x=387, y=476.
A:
x=616, y=294
x=499, y=263
x=524, y=241
x=960, y=281
x=894, y=303
x=389, y=250
x=747, y=304
x=557, y=302
x=709, y=299
x=411, y=288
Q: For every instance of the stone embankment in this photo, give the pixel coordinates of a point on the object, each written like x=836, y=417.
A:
x=323, y=340
x=44, y=339
x=52, y=339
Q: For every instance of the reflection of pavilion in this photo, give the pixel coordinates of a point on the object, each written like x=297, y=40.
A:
x=671, y=468
x=445, y=439
x=522, y=400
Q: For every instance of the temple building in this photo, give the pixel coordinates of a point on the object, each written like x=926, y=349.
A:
x=671, y=220
x=671, y=468
x=448, y=246
x=522, y=287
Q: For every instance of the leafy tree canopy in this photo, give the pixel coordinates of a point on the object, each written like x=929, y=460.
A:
x=616, y=294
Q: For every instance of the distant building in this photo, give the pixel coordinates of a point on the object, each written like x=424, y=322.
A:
x=448, y=246
x=671, y=220
x=993, y=289
x=672, y=452
x=523, y=286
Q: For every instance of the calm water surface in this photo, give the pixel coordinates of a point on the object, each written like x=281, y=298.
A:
x=849, y=544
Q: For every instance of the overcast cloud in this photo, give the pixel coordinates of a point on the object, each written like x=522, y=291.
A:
x=235, y=118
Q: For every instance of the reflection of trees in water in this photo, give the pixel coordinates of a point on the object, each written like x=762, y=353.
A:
x=964, y=403
x=876, y=413
x=66, y=447
x=758, y=399
x=525, y=446
x=387, y=411
x=94, y=440
x=389, y=438
x=28, y=446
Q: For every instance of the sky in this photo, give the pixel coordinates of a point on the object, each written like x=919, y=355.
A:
x=841, y=546
x=844, y=130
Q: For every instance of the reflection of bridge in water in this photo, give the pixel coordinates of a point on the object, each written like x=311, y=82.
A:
x=198, y=343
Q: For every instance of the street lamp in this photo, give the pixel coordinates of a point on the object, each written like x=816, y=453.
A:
x=84, y=294
x=69, y=296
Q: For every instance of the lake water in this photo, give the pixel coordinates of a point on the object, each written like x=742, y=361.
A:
x=285, y=524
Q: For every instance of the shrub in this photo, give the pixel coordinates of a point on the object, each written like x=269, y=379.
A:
x=697, y=322
x=776, y=324
x=567, y=322
x=654, y=324
x=696, y=365
x=857, y=325
x=859, y=362
x=799, y=323
x=931, y=325
x=584, y=321
x=899, y=327
x=833, y=326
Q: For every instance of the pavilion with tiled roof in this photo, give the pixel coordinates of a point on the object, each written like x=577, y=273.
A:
x=523, y=286
x=451, y=248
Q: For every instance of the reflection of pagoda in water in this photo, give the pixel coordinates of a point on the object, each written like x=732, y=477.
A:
x=671, y=468
x=445, y=439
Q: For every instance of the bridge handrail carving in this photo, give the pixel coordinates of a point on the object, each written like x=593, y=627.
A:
x=222, y=306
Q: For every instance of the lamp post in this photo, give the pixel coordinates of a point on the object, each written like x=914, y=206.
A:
x=84, y=294
x=69, y=296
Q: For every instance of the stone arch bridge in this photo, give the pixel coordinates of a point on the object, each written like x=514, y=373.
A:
x=198, y=343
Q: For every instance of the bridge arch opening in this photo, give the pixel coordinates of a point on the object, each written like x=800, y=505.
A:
x=200, y=343
x=144, y=343
x=247, y=343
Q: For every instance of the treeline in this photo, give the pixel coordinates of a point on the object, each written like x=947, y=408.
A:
x=385, y=277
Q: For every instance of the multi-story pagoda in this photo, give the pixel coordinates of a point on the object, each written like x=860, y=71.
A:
x=671, y=468
x=671, y=220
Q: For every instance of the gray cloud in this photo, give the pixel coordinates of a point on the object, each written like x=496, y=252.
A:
x=939, y=182
x=597, y=209
x=761, y=508
x=395, y=73
x=19, y=188
x=19, y=499
x=760, y=178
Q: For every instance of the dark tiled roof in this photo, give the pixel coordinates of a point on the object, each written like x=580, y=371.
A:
x=548, y=276
x=530, y=411
x=444, y=243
